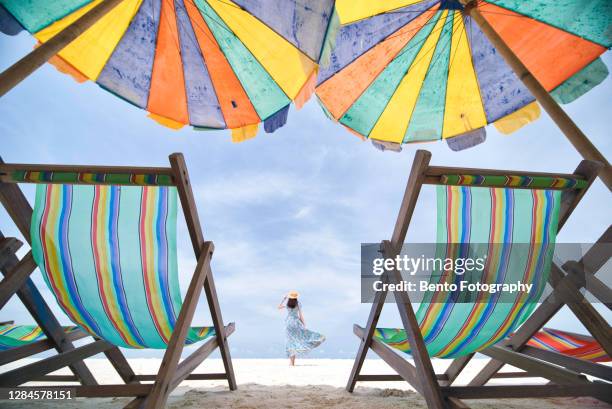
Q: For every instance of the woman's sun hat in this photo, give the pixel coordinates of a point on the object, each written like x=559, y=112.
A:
x=293, y=294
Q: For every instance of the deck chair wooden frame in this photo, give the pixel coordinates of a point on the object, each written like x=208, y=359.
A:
x=436, y=388
x=568, y=281
x=171, y=372
x=14, y=271
x=8, y=249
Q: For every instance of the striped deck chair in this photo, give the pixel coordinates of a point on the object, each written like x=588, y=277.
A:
x=105, y=242
x=577, y=352
x=567, y=343
x=15, y=336
x=476, y=208
x=22, y=341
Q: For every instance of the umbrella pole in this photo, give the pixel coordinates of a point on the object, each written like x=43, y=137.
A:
x=31, y=62
x=577, y=138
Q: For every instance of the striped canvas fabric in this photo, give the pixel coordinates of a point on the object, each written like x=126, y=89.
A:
x=13, y=336
x=493, y=221
x=540, y=182
x=108, y=254
x=582, y=347
x=91, y=177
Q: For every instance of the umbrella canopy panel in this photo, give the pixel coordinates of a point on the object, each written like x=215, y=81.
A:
x=214, y=64
x=422, y=70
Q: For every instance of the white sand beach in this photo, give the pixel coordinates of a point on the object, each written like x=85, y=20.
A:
x=313, y=383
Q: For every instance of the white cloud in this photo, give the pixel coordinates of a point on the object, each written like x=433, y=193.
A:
x=240, y=188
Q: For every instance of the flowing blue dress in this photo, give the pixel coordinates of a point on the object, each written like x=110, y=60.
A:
x=299, y=339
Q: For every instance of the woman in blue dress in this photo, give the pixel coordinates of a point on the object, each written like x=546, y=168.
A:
x=299, y=339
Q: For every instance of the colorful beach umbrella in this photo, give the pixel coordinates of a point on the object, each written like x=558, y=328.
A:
x=213, y=64
x=406, y=71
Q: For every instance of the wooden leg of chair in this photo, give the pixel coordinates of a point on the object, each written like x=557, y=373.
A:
x=594, y=259
x=20, y=211
x=429, y=384
x=15, y=278
x=584, y=311
x=36, y=369
x=215, y=312
x=456, y=366
x=121, y=365
x=366, y=339
x=183, y=184
x=159, y=394
x=40, y=311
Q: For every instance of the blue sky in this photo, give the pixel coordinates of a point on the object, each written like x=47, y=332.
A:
x=287, y=210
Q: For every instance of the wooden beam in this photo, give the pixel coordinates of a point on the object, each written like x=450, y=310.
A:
x=15, y=278
x=599, y=253
x=405, y=371
x=31, y=62
x=181, y=177
x=8, y=249
x=591, y=283
x=426, y=375
x=190, y=377
x=121, y=365
x=17, y=207
x=527, y=391
x=34, y=302
x=430, y=389
x=167, y=370
x=574, y=364
x=56, y=378
x=534, y=366
x=189, y=364
x=547, y=309
x=553, y=302
x=380, y=378
x=403, y=368
x=365, y=339
x=571, y=198
x=390, y=377
x=419, y=166
x=39, y=368
x=505, y=375
x=24, y=351
x=456, y=366
x=573, y=133
x=582, y=309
